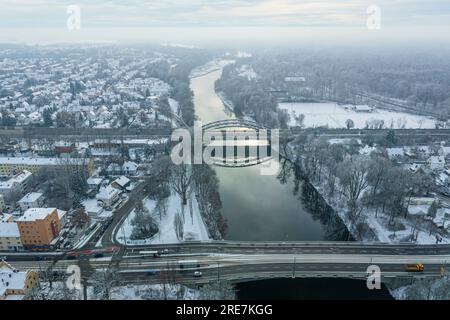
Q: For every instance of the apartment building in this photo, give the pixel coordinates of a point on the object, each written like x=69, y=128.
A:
x=18, y=183
x=10, y=237
x=31, y=200
x=9, y=166
x=39, y=227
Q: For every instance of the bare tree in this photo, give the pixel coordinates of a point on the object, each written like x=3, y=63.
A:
x=143, y=223
x=217, y=291
x=352, y=176
x=161, y=208
x=178, y=225
x=168, y=276
x=103, y=281
x=349, y=124
x=181, y=180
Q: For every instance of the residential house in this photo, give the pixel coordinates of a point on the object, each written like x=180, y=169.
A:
x=19, y=183
x=15, y=284
x=12, y=165
x=10, y=237
x=362, y=108
x=107, y=196
x=130, y=168
x=94, y=183
x=121, y=183
x=114, y=169
x=31, y=200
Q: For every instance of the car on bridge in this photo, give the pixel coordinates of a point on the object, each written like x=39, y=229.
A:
x=154, y=253
x=418, y=267
x=197, y=274
x=152, y=272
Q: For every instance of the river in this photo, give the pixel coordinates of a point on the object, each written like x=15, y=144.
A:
x=256, y=207
x=275, y=208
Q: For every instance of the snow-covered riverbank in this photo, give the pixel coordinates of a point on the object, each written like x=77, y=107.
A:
x=193, y=226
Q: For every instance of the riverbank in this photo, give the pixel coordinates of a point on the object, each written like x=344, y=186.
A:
x=212, y=66
x=226, y=102
x=193, y=225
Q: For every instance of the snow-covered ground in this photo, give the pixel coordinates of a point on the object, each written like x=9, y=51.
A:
x=152, y=292
x=194, y=227
x=174, y=105
x=334, y=116
x=126, y=292
x=209, y=67
x=378, y=223
x=247, y=71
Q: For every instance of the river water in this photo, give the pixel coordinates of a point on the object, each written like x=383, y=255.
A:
x=256, y=207
x=275, y=208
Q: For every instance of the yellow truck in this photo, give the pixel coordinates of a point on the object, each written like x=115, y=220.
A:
x=418, y=267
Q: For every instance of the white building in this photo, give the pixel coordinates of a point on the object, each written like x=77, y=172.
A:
x=18, y=183
x=94, y=183
x=121, y=183
x=10, y=237
x=107, y=196
x=114, y=169
x=436, y=162
x=31, y=200
x=130, y=168
x=362, y=108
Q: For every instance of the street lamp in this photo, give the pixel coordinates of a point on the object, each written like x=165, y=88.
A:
x=293, y=270
x=218, y=272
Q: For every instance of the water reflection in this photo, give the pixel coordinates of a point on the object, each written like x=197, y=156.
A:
x=265, y=208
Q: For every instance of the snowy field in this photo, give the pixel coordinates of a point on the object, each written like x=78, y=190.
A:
x=194, y=227
x=153, y=292
x=334, y=116
x=125, y=292
x=209, y=67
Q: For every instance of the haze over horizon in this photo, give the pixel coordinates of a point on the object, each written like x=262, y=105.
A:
x=205, y=22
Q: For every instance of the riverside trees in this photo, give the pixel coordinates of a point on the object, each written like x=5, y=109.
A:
x=359, y=183
x=166, y=177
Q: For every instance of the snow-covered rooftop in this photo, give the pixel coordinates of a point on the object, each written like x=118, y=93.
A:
x=31, y=197
x=19, y=178
x=107, y=193
x=11, y=279
x=33, y=214
x=122, y=181
x=9, y=230
x=94, y=181
x=39, y=161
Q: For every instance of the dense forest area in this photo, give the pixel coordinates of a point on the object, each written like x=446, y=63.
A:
x=178, y=77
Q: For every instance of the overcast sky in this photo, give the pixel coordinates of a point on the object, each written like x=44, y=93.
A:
x=139, y=14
